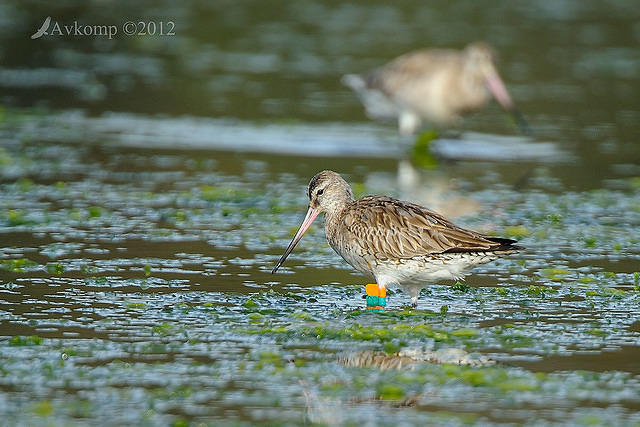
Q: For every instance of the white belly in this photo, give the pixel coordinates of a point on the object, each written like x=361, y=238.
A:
x=414, y=274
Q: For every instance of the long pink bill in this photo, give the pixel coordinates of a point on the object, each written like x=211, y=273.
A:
x=311, y=215
x=500, y=93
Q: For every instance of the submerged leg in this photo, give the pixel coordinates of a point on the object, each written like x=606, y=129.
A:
x=414, y=301
x=414, y=292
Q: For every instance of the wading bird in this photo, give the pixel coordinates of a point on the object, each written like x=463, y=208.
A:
x=394, y=242
x=434, y=85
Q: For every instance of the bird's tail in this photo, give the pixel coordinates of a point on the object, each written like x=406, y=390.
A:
x=377, y=104
x=505, y=245
x=354, y=81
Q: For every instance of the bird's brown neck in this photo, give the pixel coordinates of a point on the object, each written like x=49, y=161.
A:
x=333, y=216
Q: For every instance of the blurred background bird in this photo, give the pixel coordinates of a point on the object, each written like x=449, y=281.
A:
x=436, y=86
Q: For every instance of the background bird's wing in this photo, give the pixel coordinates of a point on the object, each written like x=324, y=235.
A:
x=390, y=228
x=409, y=69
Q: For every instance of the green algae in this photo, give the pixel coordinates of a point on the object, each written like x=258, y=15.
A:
x=357, y=332
x=403, y=314
x=634, y=182
x=269, y=358
x=303, y=315
x=95, y=211
x=606, y=292
x=390, y=392
x=25, y=341
x=501, y=291
x=19, y=265
x=491, y=377
x=465, y=333
x=163, y=329
x=6, y=158
x=249, y=304
x=43, y=408
x=256, y=318
x=590, y=242
x=221, y=193
x=462, y=287
x=555, y=274
x=16, y=217
x=391, y=348
x=25, y=184
x=56, y=268
x=597, y=332
x=540, y=291
x=137, y=305
x=420, y=153
x=517, y=232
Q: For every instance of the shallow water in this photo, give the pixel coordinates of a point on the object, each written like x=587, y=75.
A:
x=148, y=185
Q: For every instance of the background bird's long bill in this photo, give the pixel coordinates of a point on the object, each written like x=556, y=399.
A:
x=500, y=93
x=311, y=215
x=522, y=124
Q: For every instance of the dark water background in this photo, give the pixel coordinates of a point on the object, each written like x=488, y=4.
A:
x=149, y=183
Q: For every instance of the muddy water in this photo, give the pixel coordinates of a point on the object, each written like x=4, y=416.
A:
x=149, y=184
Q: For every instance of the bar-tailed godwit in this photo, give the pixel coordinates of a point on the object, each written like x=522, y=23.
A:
x=394, y=242
x=435, y=85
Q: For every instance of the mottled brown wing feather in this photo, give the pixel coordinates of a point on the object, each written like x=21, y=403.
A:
x=390, y=228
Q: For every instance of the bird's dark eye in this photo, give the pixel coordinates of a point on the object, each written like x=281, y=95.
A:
x=319, y=192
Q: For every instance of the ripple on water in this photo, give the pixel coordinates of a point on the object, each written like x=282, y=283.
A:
x=157, y=288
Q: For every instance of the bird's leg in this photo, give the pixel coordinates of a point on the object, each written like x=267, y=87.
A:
x=408, y=123
x=382, y=290
x=414, y=301
x=376, y=297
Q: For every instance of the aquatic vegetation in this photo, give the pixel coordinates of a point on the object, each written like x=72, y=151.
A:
x=16, y=217
x=43, y=409
x=606, y=292
x=222, y=193
x=56, y=268
x=465, y=332
x=390, y=392
x=149, y=288
x=555, y=274
x=517, y=232
x=22, y=341
x=461, y=287
x=95, y=211
x=19, y=265
x=249, y=304
x=540, y=291
x=420, y=153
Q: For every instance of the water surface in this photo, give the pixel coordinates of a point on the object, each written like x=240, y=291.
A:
x=148, y=185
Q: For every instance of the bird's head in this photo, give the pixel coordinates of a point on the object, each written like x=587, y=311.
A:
x=327, y=192
x=481, y=60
